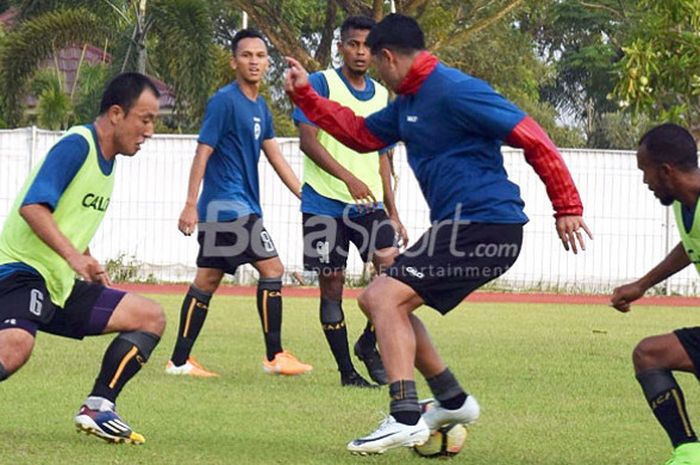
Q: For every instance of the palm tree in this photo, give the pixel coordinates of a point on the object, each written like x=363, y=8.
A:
x=170, y=39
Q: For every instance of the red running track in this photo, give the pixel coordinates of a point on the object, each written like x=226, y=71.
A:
x=498, y=297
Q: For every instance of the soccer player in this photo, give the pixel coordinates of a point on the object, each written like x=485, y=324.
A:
x=237, y=125
x=452, y=125
x=338, y=200
x=667, y=156
x=44, y=245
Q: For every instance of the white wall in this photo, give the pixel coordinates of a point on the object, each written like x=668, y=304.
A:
x=629, y=224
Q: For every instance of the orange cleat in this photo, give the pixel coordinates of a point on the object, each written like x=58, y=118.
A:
x=285, y=363
x=190, y=368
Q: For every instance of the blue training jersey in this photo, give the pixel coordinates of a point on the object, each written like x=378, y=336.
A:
x=235, y=127
x=453, y=128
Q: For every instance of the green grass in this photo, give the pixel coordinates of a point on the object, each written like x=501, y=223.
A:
x=555, y=384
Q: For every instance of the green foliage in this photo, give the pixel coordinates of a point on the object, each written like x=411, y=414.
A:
x=183, y=29
x=127, y=269
x=91, y=83
x=26, y=46
x=660, y=71
x=54, y=109
x=177, y=34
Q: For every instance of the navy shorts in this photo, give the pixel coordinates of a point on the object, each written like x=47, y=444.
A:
x=227, y=245
x=327, y=239
x=25, y=303
x=452, y=259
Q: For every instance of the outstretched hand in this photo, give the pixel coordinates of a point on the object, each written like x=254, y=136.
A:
x=569, y=231
x=296, y=77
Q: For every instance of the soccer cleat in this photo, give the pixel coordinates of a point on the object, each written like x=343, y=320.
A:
x=373, y=362
x=285, y=363
x=354, y=379
x=190, y=368
x=107, y=425
x=389, y=435
x=439, y=416
x=686, y=454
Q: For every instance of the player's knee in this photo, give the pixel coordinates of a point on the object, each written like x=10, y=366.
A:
x=17, y=346
x=208, y=284
x=367, y=301
x=153, y=318
x=273, y=271
x=645, y=355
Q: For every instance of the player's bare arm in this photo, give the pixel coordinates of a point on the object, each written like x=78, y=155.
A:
x=389, y=201
x=272, y=151
x=188, y=217
x=674, y=262
x=313, y=149
x=40, y=219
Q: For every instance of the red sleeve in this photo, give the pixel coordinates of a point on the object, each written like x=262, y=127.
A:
x=337, y=120
x=543, y=156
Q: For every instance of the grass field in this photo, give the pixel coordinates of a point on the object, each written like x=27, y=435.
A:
x=555, y=384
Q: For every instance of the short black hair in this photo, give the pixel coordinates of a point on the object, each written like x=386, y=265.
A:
x=398, y=33
x=248, y=33
x=672, y=144
x=362, y=23
x=124, y=90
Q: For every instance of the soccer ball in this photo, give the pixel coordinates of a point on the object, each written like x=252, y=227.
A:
x=445, y=442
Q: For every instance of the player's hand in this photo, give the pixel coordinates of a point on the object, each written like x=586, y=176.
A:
x=569, y=230
x=188, y=220
x=400, y=230
x=102, y=277
x=296, y=77
x=361, y=193
x=85, y=266
x=623, y=296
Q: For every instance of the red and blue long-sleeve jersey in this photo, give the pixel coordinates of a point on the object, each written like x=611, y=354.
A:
x=453, y=125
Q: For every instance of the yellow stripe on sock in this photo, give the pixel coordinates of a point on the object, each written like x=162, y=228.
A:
x=264, y=309
x=686, y=423
x=189, y=317
x=131, y=354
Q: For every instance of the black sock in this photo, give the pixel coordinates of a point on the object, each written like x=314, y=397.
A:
x=270, y=311
x=192, y=315
x=668, y=405
x=333, y=324
x=404, y=402
x=368, y=339
x=124, y=357
x=446, y=390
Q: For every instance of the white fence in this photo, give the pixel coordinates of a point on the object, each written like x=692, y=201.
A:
x=632, y=230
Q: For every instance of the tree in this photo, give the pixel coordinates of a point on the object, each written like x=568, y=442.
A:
x=179, y=34
x=581, y=41
x=660, y=70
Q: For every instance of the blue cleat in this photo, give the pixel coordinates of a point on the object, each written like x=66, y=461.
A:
x=107, y=425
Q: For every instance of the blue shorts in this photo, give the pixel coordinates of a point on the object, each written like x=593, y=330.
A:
x=25, y=303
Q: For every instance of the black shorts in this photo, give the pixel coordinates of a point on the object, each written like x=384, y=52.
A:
x=452, y=259
x=227, y=245
x=24, y=298
x=327, y=239
x=690, y=340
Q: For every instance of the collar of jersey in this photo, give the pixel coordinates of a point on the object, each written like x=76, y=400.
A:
x=422, y=66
